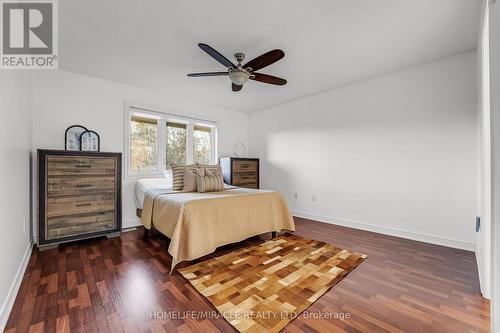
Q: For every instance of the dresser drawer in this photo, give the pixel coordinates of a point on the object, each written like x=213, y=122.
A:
x=244, y=178
x=60, y=185
x=251, y=185
x=80, y=224
x=239, y=166
x=80, y=165
x=91, y=203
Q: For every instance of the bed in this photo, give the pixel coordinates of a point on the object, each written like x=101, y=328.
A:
x=198, y=223
x=144, y=185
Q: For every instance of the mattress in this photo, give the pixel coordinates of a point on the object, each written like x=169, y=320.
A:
x=144, y=185
x=162, y=184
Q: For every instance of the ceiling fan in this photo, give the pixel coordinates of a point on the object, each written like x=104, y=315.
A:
x=239, y=74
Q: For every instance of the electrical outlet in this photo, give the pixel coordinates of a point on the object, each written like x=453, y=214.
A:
x=295, y=195
x=313, y=197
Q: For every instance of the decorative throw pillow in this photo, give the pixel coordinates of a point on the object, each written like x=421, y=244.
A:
x=190, y=179
x=178, y=175
x=210, y=169
x=209, y=183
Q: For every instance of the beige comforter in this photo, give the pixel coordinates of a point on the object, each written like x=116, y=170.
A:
x=198, y=223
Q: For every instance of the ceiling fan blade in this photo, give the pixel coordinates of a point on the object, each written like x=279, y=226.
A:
x=268, y=79
x=208, y=74
x=236, y=87
x=265, y=59
x=216, y=55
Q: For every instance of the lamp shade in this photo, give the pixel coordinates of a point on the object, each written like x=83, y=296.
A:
x=238, y=77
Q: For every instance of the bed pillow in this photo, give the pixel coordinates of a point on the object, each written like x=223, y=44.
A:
x=178, y=175
x=209, y=183
x=189, y=179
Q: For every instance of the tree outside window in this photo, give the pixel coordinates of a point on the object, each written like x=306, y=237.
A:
x=143, y=144
x=176, y=143
x=202, y=144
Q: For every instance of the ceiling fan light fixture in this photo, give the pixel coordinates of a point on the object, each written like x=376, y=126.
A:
x=239, y=76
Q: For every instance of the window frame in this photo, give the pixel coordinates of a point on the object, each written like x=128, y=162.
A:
x=163, y=116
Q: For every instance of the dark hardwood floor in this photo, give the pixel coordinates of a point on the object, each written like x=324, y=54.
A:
x=113, y=285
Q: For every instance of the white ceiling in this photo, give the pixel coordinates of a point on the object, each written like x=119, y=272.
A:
x=328, y=43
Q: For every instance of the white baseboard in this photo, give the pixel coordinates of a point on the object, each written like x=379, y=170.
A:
x=448, y=242
x=131, y=224
x=14, y=288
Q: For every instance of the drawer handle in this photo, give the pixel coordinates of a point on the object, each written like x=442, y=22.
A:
x=83, y=166
x=83, y=204
x=83, y=185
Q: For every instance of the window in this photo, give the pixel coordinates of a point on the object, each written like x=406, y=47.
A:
x=156, y=139
x=176, y=143
x=143, y=144
x=202, y=144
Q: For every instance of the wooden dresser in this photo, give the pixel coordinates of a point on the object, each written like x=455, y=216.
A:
x=242, y=172
x=79, y=195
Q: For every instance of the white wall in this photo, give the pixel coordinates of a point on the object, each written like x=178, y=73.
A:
x=61, y=99
x=394, y=154
x=495, y=113
x=483, y=239
x=15, y=144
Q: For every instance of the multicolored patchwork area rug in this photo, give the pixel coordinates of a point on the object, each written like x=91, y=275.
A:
x=263, y=287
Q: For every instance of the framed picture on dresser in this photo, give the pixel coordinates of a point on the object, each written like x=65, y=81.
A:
x=72, y=137
x=90, y=141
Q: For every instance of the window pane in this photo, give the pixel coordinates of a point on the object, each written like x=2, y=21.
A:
x=176, y=143
x=143, y=144
x=202, y=145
